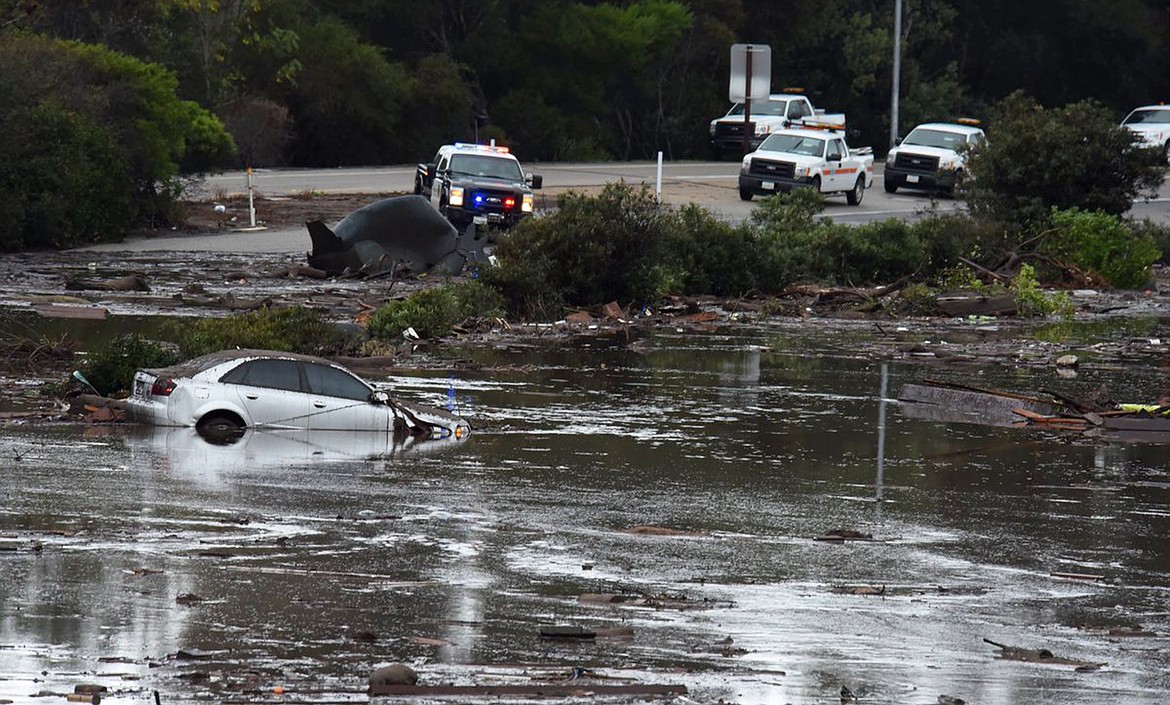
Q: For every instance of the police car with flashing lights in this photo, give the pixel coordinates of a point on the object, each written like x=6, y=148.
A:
x=477, y=183
x=1152, y=124
x=932, y=157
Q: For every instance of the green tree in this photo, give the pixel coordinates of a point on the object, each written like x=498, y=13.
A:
x=1076, y=156
x=108, y=148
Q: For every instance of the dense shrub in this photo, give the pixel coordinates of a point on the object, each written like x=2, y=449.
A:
x=93, y=144
x=1102, y=243
x=1158, y=233
x=110, y=368
x=433, y=312
x=705, y=255
x=590, y=251
x=1077, y=156
x=299, y=330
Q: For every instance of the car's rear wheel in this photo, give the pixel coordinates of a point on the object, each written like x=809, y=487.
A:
x=220, y=427
x=854, y=197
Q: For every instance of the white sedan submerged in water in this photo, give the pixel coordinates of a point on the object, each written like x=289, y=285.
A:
x=237, y=389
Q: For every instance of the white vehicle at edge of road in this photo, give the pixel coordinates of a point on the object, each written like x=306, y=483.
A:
x=933, y=156
x=807, y=157
x=1152, y=123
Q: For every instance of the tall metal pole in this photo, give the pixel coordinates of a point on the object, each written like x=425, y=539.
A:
x=747, y=101
x=897, y=83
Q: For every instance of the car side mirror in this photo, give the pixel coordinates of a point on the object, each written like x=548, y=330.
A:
x=379, y=397
x=834, y=157
x=897, y=141
x=535, y=180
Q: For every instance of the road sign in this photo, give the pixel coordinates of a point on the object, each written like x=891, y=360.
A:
x=750, y=62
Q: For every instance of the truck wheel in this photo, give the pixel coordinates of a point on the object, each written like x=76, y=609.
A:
x=891, y=186
x=1166, y=152
x=815, y=184
x=417, y=187
x=745, y=194
x=854, y=197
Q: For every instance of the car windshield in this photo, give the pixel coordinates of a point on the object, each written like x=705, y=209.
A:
x=924, y=137
x=762, y=107
x=795, y=144
x=482, y=165
x=1149, y=115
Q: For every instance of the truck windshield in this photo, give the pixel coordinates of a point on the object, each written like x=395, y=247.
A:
x=1138, y=117
x=795, y=144
x=935, y=138
x=490, y=167
x=761, y=107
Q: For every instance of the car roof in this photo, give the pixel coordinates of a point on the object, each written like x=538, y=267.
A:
x=951, y=127
x=194, y=366
x=810, y=132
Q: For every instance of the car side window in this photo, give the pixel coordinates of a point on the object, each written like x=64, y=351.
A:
x=332, y=382
x=798, y=109
x=442, y=164
x=837, y=147
x=270, y=374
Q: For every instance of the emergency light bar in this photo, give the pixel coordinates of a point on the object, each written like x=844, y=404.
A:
x=481, y=148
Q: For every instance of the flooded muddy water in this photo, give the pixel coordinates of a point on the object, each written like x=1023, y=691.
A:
x=690, y=473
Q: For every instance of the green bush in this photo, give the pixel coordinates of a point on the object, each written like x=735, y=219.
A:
x=1103, y=243
x=1158, y=233
x=110, y=368
x=93, y=144
x=64, y=183
x=298, y=329
x=592, y=250
x=1076, y=156
x=433, y=312
x=1032, y=301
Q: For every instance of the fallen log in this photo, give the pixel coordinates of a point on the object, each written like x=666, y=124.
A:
x=559, y=690
x=130, y=282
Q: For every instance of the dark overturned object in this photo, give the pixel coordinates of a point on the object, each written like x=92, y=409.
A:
x=949, y=402
x=394, y=236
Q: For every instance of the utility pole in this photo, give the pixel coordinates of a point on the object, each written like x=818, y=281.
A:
x=897, y=82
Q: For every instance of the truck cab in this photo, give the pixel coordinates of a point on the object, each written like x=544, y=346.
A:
x=778, y=112
x=933, y=157
x=815, y=157
x=480, y=184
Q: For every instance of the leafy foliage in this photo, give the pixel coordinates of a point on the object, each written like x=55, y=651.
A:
x=1036, y=159
x=298, y=330
x=93, y=145
x=1102, y=243
x=110, y=368
x=1032, y=301
x=433, y=312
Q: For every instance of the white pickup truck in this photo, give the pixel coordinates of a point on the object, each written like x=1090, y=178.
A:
x=807, y=157
x=780, y=111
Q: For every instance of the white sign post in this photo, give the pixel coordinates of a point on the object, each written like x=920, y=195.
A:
x=751, y=79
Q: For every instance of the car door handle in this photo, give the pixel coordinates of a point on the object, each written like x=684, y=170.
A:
x=319, y=404
x=253, y=397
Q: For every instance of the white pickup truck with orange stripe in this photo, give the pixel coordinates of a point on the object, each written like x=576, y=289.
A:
x=807, y=157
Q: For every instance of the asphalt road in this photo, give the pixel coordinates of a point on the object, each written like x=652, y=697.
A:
x=711, y=184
